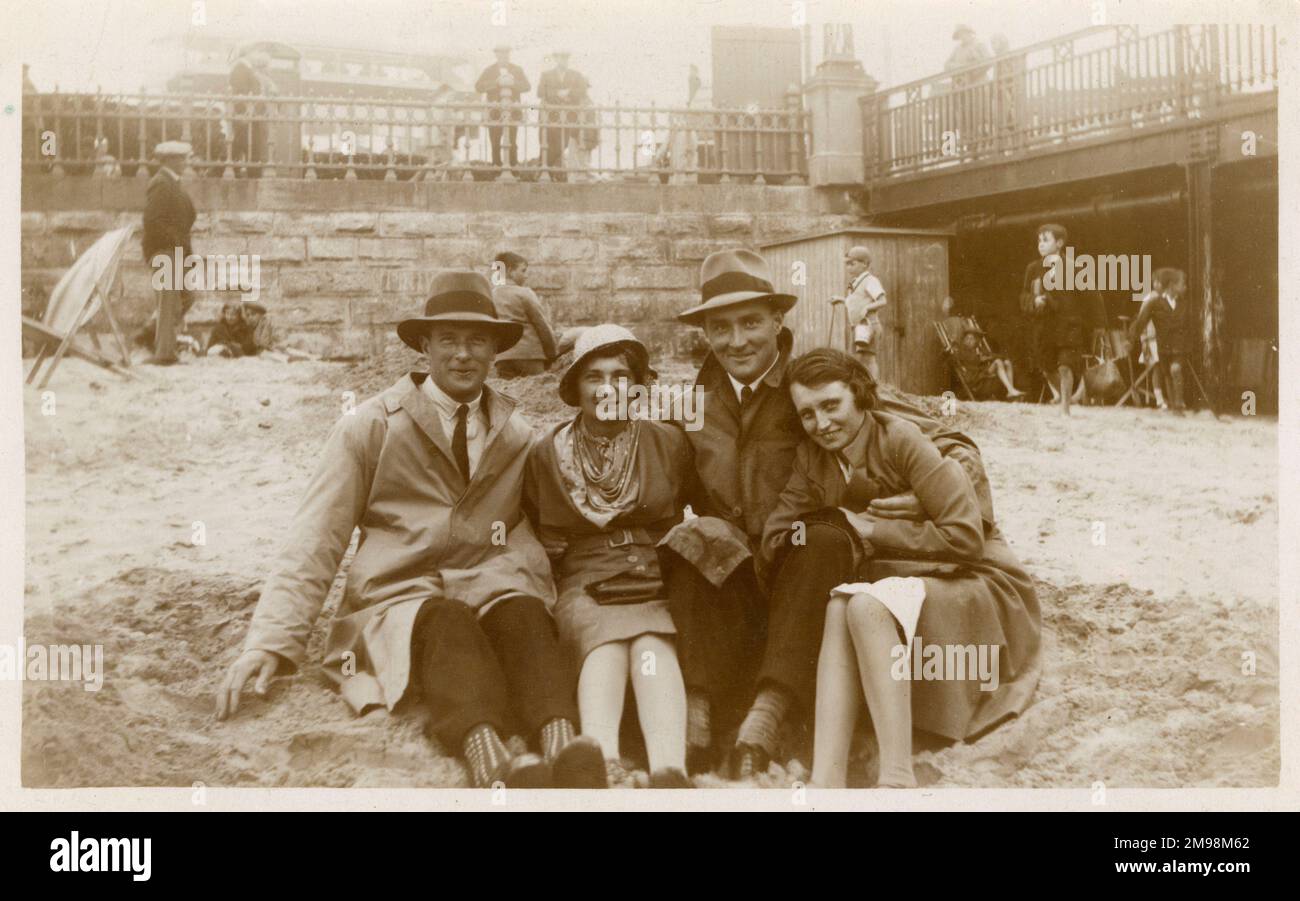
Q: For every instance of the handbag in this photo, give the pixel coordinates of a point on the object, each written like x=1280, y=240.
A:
x=626, y=588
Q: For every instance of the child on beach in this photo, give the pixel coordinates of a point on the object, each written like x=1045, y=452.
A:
x=1056, y=317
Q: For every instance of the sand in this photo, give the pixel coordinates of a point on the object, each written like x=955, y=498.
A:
x=1145, y=634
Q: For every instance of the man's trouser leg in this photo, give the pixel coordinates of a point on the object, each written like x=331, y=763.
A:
x=719, y=634
x=494, y=137
x=555, y=138
x=504, y=669
x=169, y=315
x=797, y=611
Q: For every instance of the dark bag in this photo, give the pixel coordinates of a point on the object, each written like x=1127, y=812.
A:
x=626, y=588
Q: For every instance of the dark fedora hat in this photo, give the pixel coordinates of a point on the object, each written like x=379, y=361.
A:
x=460, y=295
x=729, y=277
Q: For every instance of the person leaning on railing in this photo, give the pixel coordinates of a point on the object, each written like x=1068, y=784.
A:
x=562, y=86
x=503, y=83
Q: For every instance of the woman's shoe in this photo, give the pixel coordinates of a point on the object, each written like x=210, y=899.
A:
x=580, y=764
x=669, y=778
x=748, y=761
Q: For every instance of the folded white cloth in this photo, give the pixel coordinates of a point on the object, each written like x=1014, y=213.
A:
x=901, y=595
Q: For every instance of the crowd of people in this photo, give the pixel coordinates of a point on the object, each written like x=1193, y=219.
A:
x=755, y=572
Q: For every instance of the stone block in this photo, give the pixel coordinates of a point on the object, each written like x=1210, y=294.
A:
x=651, y=277
x=634, y=250
x=677, y=225
x=271, y=248
x=422, y=224
x=389, y=248
x=731, y=224
x=82, y=222
x=332, y=248
x=245, y=222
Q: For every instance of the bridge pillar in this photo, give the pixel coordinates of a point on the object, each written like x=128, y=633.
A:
x=831, y=97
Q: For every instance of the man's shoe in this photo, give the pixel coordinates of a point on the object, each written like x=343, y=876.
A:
x=669, y=778
x=525, y=771
x=580, y=764
x=748, y=761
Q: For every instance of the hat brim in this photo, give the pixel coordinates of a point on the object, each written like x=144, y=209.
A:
x=506, y=333
x=695, y=315
x=568, y=390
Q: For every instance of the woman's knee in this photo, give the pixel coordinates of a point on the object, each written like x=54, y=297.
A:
x=868, y=615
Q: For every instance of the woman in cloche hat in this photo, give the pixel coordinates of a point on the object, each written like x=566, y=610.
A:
x=603, y=488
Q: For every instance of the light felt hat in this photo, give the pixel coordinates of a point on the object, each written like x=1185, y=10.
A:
x=729, y=277
x=604, y=337
x=460, y=295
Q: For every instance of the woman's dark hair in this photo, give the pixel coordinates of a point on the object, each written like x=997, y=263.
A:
x=623, y=352
x=232, y=305
x=825, y=365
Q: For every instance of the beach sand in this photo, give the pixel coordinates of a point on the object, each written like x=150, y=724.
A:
x=154, y=509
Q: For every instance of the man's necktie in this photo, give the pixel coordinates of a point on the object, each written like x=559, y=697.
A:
x=746, y=395
x=459, y=443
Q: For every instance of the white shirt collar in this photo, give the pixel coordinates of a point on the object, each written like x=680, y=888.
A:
x=445, y=403
x=739, y=388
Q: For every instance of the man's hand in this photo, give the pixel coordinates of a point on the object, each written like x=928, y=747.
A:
x=263, y=663
x=900, y=506
x=860, y=523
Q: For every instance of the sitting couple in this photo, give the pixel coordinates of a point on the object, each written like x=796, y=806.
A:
x=708, y=618
x=243, y=331
x=450, y=600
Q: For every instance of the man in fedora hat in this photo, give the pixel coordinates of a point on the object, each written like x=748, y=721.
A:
x=743, y=634
x=503, y=83
x=561, y=86
x=168, y=217
x=448, y=593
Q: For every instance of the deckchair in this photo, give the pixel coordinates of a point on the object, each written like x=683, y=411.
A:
x=84, y=290
x=950, y=353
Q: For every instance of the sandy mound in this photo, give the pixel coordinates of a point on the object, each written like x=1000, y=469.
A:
x=1145, y=633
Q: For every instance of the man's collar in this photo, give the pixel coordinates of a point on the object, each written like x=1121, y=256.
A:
x=740, y=386
x=446, y=404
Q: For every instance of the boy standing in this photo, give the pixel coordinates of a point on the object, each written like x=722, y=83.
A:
x=1057, y=319
x=1164, y=308
x=865, y=301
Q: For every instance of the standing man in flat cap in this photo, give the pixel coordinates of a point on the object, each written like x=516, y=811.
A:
x=448, y=596
x=744, y=634
x=168, y=217
x=865, y=300
x=561, y=86
x=503, y=83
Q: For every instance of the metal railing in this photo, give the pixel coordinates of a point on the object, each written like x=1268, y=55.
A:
x=235, y=136
x=1083, y=86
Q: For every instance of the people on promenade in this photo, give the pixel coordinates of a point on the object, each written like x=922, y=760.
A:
x=503, y=84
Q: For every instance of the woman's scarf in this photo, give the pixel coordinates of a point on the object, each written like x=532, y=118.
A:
x=599, y=473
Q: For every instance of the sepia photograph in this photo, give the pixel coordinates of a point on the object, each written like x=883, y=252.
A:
x=763, y=399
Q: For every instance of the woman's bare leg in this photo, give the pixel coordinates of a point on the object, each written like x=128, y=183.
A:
x=601, y=688
x=660, y=700
x=875, y=636
x=1003, y=370
x=839, y=698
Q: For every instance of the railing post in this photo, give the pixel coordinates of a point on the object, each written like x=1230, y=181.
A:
x=832, y=99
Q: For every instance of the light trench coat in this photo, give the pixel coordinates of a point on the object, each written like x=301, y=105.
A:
x=388, y=470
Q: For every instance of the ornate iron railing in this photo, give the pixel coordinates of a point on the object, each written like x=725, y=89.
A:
x=1080, y=87
x=236, y=136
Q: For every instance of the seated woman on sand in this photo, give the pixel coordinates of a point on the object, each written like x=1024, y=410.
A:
x=602, y=491
x=943, y=601
x=231, y=335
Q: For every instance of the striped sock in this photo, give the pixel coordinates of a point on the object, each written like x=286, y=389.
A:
x=555, y=735
x=763, y=721
x=699, y=726
x=484, y=752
